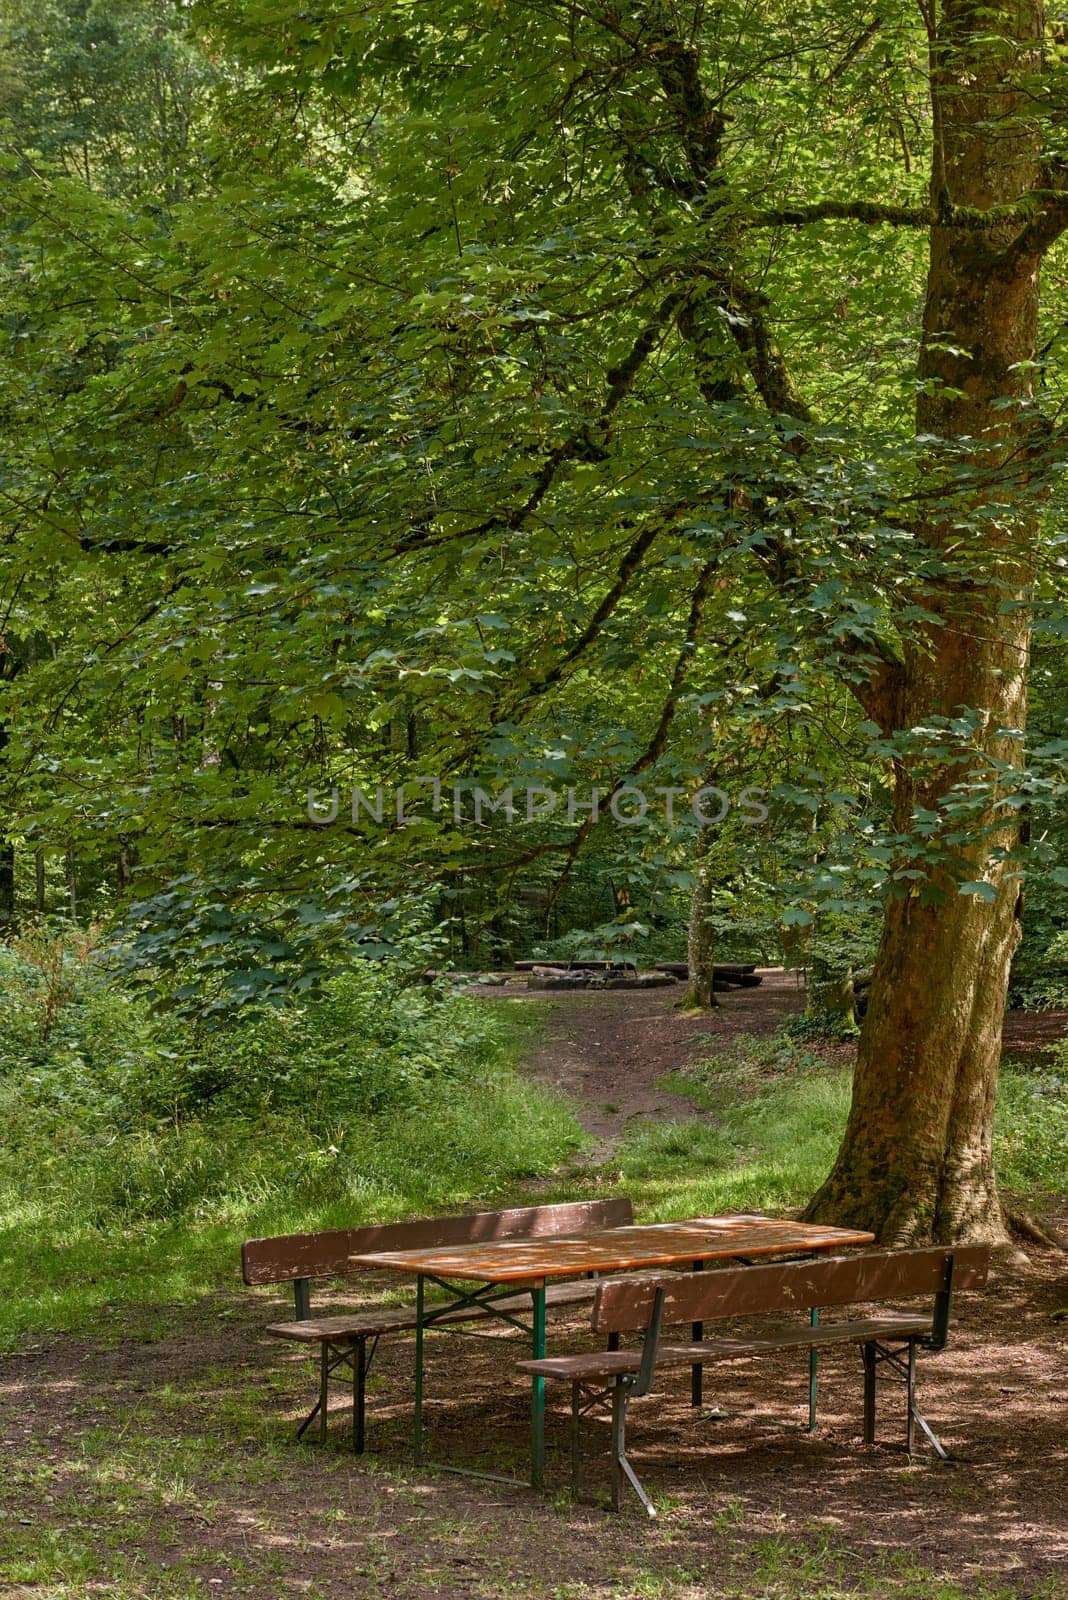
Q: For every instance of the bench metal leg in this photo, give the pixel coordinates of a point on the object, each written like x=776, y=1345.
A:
x=910, y=1380
x=353, y=1355
x=917, y=1416
x=576, y=1430
x=868, y=1353
x=925, y=1426
x=359, y=1396
x=330, y=1356
x=621, y=1467
x=902, y=1361
x=309, y=1419
x=619, y=1411
x=324, y=1389
x=813, y=1372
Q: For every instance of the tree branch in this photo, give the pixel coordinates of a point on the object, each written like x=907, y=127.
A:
x=801, y=216
x=1052, y=204
x=628, y=566
x=583, y=444
x=1035, y=238
x=655, y=748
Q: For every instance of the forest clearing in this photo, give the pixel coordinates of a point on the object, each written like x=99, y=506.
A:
x=151, y=1452
x=533, y=799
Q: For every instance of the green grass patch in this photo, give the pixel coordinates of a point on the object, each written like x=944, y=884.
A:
x=775, y=1116
x=70, y=1267
x=132, y=1164
x=1031, y=1129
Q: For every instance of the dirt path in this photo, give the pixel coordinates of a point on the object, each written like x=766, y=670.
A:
x=608, y=1050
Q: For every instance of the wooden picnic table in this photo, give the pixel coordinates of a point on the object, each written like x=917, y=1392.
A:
x=497, y=1267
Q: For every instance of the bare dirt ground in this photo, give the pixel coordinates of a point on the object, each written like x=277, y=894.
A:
x=157, y=1460
x=608, y=1049
x=173, y=1449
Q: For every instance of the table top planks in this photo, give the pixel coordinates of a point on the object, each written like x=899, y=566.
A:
x=614, y=1249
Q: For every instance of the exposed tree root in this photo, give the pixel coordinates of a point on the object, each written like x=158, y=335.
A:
x=1022, y=1223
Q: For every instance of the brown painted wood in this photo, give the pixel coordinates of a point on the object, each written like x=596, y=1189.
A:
x=794, y=1286
x=328, y=1254
x=401, y=1319
x=606, y=1363
x=792, y=1336
x=350, y=1325
x=597, y=1364
x=614, y=1249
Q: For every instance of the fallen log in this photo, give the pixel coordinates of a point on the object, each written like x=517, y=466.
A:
x=600, y=980
x=726, y=975
x=576, y=966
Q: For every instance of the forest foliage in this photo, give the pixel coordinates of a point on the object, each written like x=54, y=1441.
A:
x=373, y=409
x=621, y=398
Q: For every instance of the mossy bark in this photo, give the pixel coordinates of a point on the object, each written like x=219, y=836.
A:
x=700, y=937
x=916, y=1162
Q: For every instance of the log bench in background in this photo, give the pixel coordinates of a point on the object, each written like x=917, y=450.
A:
x=725, y=975
x=342, y=1340
x=620, y=975
x=648, y=1305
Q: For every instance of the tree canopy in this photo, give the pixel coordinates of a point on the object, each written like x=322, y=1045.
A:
x=553, y=394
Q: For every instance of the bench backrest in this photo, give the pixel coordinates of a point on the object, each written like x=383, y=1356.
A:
x=294, y=1256
x=624, y=1306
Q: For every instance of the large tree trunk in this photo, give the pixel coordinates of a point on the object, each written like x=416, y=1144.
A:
x=916, y=1162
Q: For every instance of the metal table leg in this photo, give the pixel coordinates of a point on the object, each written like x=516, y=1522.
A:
x=429, y=1317
x=417, y=1431
x=537, y=1392
x=813, y=1371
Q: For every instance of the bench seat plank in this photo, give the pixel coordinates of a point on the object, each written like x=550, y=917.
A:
x=608, y=1363
x=401, y=1319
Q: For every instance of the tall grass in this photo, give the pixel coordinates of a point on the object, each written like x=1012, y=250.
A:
x=775, y=1116
x=134, y=1155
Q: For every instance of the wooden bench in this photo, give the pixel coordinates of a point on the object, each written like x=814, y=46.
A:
x=343, y=1340
x=649, y=1305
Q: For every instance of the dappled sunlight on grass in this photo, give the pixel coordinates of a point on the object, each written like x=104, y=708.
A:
x=64, y=1266
x=766, y=1141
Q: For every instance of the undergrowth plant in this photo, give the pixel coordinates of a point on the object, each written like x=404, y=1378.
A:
x=773, y=1111
x=136, y=1150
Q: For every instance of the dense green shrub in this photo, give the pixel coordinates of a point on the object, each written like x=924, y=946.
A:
x=1039, y=979
x=366, y=1044
x=372, y=1097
